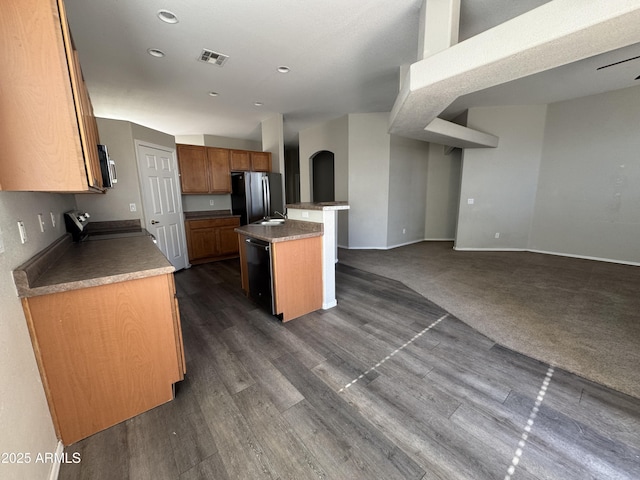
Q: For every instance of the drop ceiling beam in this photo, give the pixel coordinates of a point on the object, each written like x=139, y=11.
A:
x=554, y=34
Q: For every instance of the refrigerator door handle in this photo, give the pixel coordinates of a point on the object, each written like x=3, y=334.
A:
x=267, y=195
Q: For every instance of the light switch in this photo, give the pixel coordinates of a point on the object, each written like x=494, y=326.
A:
x=1, y=242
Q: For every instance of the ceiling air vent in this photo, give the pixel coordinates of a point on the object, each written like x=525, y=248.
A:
x=209, y=56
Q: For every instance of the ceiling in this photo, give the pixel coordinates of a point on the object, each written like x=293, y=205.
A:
x=344, y=57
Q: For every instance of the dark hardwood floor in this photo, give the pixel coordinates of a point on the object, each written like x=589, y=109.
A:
x=386, y=385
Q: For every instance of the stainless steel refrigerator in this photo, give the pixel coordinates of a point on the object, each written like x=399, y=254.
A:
x=256, y=195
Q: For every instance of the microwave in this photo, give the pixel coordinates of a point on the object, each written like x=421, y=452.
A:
x=107, y=167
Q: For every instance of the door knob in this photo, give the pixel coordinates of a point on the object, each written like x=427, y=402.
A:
x=153, y=222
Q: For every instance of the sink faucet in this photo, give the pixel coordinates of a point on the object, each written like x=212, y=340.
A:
x=281, y=214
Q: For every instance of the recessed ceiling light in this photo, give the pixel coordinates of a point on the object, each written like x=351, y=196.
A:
x=154, y=52
x=167, y=16
x=258, y=104
x=213, y=94
x=283, y=69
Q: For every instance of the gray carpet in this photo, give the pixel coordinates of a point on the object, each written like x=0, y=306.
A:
x=580, y=315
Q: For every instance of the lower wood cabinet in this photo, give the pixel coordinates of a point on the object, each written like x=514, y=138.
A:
x=106, y=353
x=211, y=239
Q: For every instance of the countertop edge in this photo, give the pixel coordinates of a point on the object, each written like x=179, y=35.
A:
x=93, y=282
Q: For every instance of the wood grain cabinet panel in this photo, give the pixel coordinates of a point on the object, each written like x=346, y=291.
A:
x=261, y=161
x=49, y=135
x=192, y=161
x=297, y=276
x=219, y=170
x=106, y=353
x=204, y=170
x=240, y=160
x=211, y=239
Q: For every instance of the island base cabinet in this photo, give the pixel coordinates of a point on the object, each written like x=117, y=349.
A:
x=106, y=353
x=296, y=269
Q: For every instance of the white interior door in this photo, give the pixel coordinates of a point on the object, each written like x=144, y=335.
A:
x=161, y=200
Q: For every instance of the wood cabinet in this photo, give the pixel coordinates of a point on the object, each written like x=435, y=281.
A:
x=49, y=134
x=211, y=239
x=106, y=353
x=204, y=170
x=296, y=281
x=261, y=161
x=240, y=160
x=246, y=160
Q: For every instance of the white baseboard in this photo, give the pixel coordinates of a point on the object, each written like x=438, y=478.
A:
x=490, y=249
x=546, y=252
x=585, y=257
x=55, y=466
x=439, y=240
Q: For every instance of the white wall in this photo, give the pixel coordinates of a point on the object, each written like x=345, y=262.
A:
x=369, y=157
x=588, y=196
x=502, y=181
x=25, y=421
x=407, y=191
x=332, y=136
x=443, y=193
x=119, y=136
x=221, y=142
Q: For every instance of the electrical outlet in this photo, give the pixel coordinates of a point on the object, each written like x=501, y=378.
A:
x=305, y=214
x=1, y=242
x=404, y=231
x=41, y=222
x=470, y=201
x=132, y=207
x=23, y=232
x=53, y=219
x=497, y=235
x=212, y=202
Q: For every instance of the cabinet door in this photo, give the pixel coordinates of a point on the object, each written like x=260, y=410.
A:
x=119, y=364
x=194, y=171
x=240, y=161
x=43, y=133
x=261, y=161
x=227, y=241
x=202, y=244
x=86, y=120
x=219, y=171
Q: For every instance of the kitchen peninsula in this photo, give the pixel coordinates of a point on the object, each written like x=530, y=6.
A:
x=301, y=259
x=324, y=213
x=105, y=328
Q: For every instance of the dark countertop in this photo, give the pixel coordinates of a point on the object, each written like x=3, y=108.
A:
x=289, y=230
x=65, y=265
x=319, y=206
x=206, y=214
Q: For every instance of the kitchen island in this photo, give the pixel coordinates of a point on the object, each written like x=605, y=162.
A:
x=105, y=328
x=288, y=279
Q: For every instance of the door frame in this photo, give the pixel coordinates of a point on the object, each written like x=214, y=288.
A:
x=174, y=159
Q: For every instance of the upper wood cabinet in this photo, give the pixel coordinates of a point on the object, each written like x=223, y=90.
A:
x=48, y=131
x=240, y=160
x=219, y=170
x=247, y=160
x=261, y=161
x=204, y=169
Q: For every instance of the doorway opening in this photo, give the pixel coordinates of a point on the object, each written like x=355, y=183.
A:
x=323, y=176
